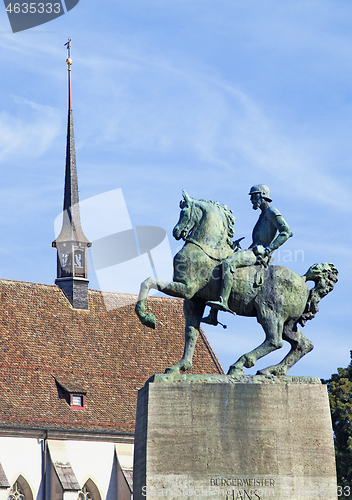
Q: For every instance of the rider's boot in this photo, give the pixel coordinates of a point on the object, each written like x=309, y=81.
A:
x=212, y=318
x=226, y=286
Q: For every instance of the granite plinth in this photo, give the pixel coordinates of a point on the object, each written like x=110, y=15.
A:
x=239, y=438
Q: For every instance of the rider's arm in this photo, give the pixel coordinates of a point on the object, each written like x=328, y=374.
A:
x=284, y=232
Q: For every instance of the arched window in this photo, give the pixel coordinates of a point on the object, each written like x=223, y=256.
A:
x=20, y=490
x=89, y=491
x=16, y=493
x=84, y=494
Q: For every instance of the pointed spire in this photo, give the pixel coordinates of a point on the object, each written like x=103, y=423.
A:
x=71, y=243
x=71, y=226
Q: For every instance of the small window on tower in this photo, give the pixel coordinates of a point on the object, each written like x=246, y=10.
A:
x=79, y=263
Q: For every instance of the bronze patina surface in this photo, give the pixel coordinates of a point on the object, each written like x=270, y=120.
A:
x=211, y=266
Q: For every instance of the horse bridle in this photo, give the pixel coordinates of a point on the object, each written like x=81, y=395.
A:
x=190, y=217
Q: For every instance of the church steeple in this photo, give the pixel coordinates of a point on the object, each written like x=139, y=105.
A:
x=71, y=244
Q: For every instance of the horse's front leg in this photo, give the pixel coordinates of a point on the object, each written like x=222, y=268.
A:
x=193, y=311
x=149, y=318
x=173, y=288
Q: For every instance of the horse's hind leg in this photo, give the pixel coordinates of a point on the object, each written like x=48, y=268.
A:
x=193, y=310
x=273, y=327
x=300, y=346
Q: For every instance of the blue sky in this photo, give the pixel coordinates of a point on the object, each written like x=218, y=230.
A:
x=208, y=96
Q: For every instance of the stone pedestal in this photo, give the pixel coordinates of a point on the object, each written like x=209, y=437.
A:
x=238, y=438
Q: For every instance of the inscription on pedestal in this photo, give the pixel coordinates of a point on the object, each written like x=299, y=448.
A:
x=238, y=488
x=234, y=488
x=220, y=481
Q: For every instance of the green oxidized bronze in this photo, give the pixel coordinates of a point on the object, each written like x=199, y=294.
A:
x=269, y=233
x=212, y=269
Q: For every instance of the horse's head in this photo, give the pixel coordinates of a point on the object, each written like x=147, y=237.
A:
x=189, y=216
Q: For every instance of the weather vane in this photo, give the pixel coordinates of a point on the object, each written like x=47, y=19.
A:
x=68, y=60
x=69, y=63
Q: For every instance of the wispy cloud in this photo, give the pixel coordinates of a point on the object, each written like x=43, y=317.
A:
x=208, y=118
x=30, y=133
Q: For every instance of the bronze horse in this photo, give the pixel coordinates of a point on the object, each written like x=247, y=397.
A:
x=275, y=295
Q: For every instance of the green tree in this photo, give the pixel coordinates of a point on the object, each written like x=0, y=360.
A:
x=340, y=397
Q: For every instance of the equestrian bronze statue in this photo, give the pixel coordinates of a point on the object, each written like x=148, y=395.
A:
x=213, y=270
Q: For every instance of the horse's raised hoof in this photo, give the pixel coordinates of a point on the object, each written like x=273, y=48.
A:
x=148, y=320
x=234, y=372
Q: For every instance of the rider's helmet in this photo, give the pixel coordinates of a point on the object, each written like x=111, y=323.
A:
x=261, y=189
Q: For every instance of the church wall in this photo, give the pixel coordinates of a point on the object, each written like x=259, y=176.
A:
x=22, y=456
x=69, y=495
x=99, y=463
x=3, y=493
x=92, y=460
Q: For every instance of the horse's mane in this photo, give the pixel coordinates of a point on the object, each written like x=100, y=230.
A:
x=230, y=220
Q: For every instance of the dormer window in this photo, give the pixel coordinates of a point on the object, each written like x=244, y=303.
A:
x=78, y=401
x=72, y=391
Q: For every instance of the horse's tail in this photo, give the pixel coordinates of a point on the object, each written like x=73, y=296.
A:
x=324, y=276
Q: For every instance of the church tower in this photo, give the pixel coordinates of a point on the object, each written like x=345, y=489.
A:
x=71, y=244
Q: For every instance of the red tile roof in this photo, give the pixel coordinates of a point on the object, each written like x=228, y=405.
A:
x=107, y=354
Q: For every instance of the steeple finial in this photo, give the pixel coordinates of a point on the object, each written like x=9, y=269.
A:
x=69, y=64
x=71, y=243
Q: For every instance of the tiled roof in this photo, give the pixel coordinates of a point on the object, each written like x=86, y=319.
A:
x=108, y=354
